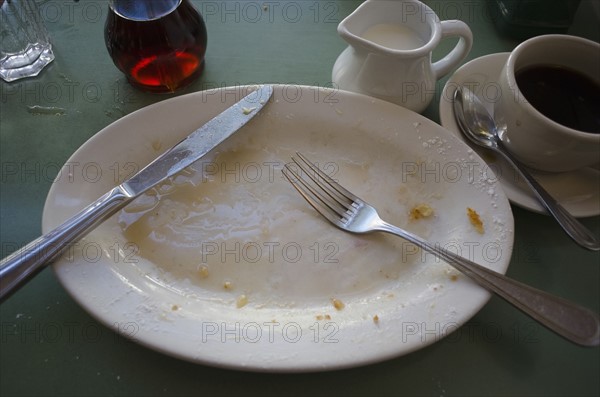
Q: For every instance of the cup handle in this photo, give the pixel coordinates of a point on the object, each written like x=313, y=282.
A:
x=459, y=52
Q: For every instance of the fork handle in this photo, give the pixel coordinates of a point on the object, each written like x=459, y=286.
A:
x=567, y=319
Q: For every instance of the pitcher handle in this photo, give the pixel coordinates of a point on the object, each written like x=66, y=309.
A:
x=459, y=52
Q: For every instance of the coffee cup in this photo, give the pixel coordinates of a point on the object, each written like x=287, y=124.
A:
x=389, y=52
x=548, y=110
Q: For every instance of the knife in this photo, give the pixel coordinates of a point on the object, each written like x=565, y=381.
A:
x=23, y=264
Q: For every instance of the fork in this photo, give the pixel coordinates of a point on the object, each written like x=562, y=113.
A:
x=352, y=214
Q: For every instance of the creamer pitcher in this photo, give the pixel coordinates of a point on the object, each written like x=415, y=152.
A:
x=389, y=56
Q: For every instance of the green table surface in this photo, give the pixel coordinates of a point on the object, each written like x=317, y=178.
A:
x=499, y=352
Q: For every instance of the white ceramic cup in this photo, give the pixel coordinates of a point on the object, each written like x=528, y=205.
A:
x=536, y=140
x=397, y=67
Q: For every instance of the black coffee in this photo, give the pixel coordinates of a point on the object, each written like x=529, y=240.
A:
x=563, y=95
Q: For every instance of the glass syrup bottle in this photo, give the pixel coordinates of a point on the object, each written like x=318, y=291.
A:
x=158, y=44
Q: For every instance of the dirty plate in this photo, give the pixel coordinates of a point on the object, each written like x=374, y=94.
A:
x=227, y=265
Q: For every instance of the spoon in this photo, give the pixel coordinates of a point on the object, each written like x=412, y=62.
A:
x=480, y=128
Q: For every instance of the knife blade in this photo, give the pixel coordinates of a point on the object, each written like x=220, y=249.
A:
x=23, y=264
x=199, y=142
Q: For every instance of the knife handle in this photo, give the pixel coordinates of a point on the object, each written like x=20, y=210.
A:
x=19, y=267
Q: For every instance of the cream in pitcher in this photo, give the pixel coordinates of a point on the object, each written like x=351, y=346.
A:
x=389, y=52
x=393, y=36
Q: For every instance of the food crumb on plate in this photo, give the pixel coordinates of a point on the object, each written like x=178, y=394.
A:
x=338, y=304
x=421, y=211
x=475, y=220
x=156, y=145
x=241, y=301
x=203, y=271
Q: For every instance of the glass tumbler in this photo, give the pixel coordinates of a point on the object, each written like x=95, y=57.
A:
x=24, y=45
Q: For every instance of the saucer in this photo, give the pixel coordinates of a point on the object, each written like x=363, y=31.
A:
x=578, y=191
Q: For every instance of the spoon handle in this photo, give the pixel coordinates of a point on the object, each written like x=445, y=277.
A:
x=575, y=229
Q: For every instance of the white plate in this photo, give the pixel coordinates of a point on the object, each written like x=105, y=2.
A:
x=578, y=191
x=288, y=261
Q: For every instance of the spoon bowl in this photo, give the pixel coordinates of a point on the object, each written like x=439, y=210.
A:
x=479, y=127
x=474, y=120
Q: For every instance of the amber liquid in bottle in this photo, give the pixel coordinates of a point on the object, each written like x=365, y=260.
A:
x=158, y=44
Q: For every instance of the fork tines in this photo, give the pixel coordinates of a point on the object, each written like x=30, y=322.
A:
x=322, y=190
